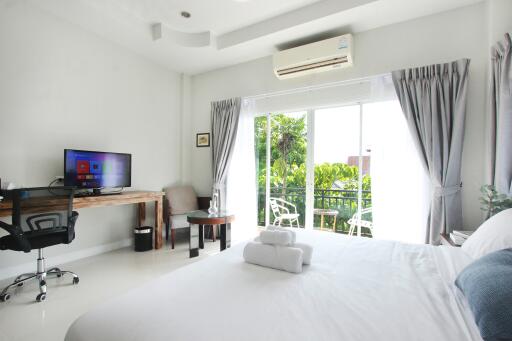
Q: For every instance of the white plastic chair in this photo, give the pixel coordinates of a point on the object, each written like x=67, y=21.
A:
x=281, y=210
x=354, y=221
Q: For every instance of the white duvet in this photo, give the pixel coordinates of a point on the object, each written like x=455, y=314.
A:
x=355, y=289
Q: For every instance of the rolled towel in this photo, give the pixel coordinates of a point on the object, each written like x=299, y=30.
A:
x=276, y=237
x=307, y=252
x=279, y=228
x=274, y=256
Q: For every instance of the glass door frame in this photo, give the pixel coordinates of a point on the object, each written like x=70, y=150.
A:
x=310, y=165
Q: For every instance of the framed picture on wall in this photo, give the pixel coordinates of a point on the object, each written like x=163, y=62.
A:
x=203, y=140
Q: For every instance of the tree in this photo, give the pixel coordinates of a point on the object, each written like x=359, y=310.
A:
x=288, y=156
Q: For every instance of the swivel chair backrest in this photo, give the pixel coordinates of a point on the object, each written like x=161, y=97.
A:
x=44, y=210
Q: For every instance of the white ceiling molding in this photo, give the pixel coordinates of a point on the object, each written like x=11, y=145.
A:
x=161, y=32
x=288, y=20
x=129, y=24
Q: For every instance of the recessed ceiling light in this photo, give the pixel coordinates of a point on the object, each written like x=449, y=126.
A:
x=185, y=14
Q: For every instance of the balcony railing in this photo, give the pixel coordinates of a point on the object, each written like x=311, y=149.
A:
x=344, y=201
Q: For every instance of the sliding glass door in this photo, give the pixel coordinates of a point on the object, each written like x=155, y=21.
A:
x=318, y=164
x=281, y=149
x=341, y=170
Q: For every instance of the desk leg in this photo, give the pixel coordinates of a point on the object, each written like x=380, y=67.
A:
x=142, y=214
x=158, y=223
x=201, y=236
x=225, y=236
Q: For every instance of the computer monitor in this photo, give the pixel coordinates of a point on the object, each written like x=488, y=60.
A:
x=89, y=169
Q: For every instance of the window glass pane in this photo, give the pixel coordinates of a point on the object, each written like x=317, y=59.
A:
x=336, y=159
x=288, y=168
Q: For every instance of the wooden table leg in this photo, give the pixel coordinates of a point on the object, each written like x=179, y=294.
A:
x=142, y=214
x=158, y=223
x=225, y=236
x=321, y=221
x=334, y=225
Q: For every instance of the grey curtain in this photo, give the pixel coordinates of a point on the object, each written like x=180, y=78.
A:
x=433, y=99
x=224, y=118
x=501, y=116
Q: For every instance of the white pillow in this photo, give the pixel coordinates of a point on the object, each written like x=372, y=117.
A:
x=493, y=235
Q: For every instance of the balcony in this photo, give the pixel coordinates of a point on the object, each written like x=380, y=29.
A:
x=342, y=200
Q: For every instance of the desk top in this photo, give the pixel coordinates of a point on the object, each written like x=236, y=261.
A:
x=123, y=198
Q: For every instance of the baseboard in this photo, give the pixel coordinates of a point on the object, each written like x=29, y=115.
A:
x=65, y=258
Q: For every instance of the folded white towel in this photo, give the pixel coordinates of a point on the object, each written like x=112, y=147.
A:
x=276, y=237
x=274, y=256
x=279, y=228
x=269, y=238
x=307, y=251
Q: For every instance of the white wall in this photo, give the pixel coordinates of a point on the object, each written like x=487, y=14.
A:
x=63, y=87
x=439, y=38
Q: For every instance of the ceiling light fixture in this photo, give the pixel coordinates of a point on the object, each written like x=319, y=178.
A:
x=185, y=14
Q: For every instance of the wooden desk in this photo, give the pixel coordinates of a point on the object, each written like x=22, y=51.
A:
x=124, y=198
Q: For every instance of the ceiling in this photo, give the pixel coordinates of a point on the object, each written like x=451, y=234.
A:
x=220, y=33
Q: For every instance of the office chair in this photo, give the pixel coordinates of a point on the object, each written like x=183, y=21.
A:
x=41, y=217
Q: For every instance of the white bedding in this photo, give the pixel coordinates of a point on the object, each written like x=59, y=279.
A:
x=356, y=289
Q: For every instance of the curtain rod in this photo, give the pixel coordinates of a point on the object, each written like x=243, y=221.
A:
x=315, y=87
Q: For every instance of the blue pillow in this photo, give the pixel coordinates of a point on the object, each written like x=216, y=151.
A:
x=487, y=285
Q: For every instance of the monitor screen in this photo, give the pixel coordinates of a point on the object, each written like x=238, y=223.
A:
x=86, y=169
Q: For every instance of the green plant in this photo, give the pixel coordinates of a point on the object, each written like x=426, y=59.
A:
x=492, y=201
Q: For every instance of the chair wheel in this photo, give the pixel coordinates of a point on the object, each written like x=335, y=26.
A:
x=20, y=284
x=41, y=297
x=5, y=297
x=59, y=275
x=76, y=280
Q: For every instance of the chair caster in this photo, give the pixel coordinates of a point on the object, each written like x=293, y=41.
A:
x=5, y=297
x=76, y=280
x=59, y=275
x=41, y=297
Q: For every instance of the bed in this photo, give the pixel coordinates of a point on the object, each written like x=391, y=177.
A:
x=356, y=289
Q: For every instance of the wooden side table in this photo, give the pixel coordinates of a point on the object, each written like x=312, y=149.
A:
x=326, y=212
x=197, y=220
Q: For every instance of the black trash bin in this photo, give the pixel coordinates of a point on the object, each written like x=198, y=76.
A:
x=143, y=238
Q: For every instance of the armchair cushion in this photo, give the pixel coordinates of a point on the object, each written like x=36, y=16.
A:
x=181, y=199
x=179, y=221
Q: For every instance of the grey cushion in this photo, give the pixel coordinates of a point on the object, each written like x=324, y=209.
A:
x=182, y=199
x=179, y=221
x=487, y=285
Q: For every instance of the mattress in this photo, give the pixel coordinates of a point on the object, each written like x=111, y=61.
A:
x=355, y=289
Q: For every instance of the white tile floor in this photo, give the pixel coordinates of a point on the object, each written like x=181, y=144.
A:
x=101, y=277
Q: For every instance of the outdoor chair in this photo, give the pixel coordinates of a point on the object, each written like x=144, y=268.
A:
x=281, y=209
x=354, y=221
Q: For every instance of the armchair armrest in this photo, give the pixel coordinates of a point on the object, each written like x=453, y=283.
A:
x=11, y=229
x=17, y=234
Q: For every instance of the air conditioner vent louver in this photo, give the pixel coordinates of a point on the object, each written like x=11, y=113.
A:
x=334, y=53
x=312, y=66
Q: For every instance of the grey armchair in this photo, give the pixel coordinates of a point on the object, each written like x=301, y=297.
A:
x=179, y=201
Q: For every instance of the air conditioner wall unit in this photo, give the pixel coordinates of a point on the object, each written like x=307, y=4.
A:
x=325, y=55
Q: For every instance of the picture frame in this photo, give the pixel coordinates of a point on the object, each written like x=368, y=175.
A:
x=203, y=140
